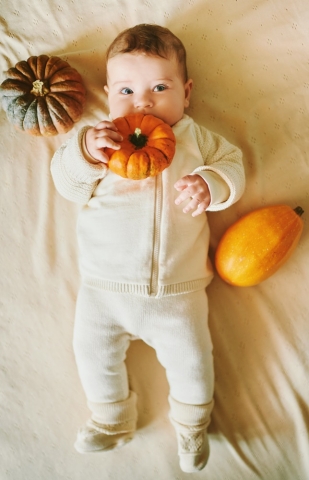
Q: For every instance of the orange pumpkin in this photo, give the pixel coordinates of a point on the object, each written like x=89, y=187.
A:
x=148, y=147
x=256, y=246
x=43, y=95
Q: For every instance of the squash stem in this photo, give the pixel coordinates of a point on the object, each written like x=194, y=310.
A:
x=138, y=139
x=299, y=211
x=39, y=88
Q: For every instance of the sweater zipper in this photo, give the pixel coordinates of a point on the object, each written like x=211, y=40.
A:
x=156, y=236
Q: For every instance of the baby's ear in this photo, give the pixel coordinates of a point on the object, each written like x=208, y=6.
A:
x=188, y=89
x=106, y=89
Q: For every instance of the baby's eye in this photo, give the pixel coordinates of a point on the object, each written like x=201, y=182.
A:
x=126, y=91
x=159, y=88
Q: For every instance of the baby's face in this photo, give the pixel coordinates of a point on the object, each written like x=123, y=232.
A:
x=140, y=83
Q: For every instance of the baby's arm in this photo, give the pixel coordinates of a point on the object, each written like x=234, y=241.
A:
x=80, y=163
x=222, y=173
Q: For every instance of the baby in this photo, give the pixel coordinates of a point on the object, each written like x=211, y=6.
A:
x=144, y=246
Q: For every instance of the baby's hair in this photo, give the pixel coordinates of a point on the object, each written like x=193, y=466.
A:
x=152, y=40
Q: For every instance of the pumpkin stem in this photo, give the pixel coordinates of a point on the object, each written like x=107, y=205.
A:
x=138, y=139
x=299, y=211
x=39, y=88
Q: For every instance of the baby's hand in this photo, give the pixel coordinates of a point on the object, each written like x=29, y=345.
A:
x=104, y=134
x=194, y=187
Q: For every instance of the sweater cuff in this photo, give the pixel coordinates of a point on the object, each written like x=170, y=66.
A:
x=219, y=190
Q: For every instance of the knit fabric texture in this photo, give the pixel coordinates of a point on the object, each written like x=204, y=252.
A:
x=170, y=257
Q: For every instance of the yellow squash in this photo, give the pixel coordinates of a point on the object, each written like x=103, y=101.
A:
x=256, y=246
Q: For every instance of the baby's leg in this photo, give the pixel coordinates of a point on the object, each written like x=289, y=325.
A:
x=179, y=333
x=100, y=345
x=182, y=341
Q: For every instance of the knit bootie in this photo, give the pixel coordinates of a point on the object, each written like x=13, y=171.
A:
x=93, y=438
x=193, y=447
x=190, y=423
x=111, y=426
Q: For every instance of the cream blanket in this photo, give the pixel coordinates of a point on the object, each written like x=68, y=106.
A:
x=250, y=65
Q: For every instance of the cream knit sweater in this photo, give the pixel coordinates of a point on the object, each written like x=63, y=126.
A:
x=132, y=237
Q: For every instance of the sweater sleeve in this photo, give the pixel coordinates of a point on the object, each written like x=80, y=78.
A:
x=74, y=177
x=224, y=159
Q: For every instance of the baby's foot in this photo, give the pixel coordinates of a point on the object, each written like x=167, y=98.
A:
x=193, y=450
x=91, y=438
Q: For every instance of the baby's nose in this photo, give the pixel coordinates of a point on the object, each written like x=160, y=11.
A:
x=143, y=101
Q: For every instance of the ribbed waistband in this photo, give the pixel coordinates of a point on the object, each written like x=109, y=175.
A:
x=144, y=290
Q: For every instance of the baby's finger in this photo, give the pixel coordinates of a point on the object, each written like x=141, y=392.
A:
x=184, y=195
x=101, y=157
x=192, y=205
x=183, y=183
x=108, y=138
x=109, y=143
x=106, y=124
x=200, y=209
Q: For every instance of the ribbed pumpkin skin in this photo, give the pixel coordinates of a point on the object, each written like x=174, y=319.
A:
x=255, y=247
x=139, y=162
x=43, y=95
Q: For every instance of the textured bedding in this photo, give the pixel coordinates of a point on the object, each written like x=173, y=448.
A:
x=250, y=64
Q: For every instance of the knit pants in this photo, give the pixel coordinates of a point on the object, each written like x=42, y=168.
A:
x=175, y=326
